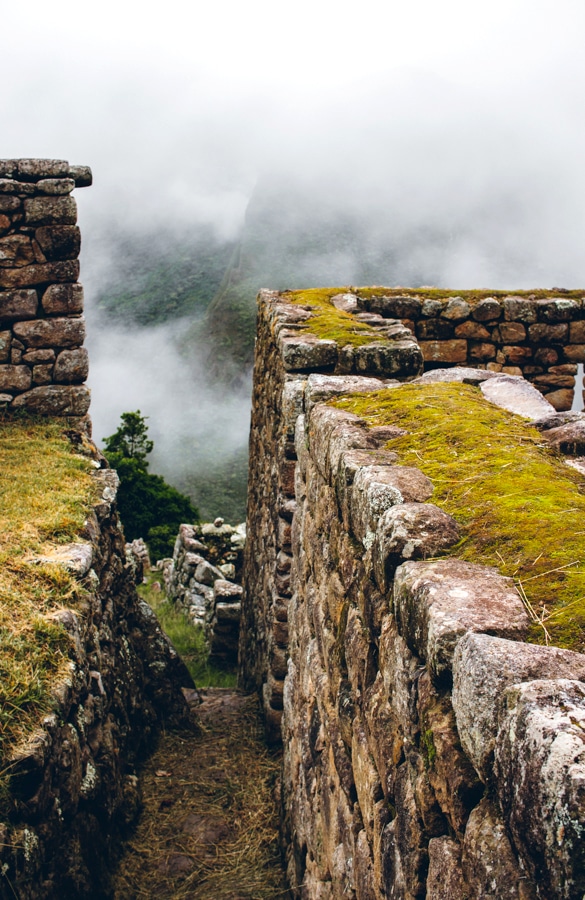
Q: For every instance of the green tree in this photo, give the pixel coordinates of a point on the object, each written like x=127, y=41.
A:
x=148, y=506
x=130, y=440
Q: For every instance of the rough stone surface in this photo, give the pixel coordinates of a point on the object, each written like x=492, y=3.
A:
x=483, y=668
x=58, y=332
x=54, y=400
x=517, y=396
x=436, y=603
x=540, y=762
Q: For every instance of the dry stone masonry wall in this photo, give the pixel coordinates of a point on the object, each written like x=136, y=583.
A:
x=43, y=365
x=539, y=335
x=428, y=751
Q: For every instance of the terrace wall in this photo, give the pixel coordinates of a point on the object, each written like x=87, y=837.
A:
x=428, y=751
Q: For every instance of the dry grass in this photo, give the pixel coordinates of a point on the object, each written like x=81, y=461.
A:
x=209, y=825
x=46, y=491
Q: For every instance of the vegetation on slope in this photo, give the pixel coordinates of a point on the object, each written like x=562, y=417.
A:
x=520, y=507
x=46, y=491
x=149, y=507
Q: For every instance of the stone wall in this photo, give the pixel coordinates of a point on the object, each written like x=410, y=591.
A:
x=73, y=788
x=43, y=365
x=539, y=335
x=428, y=751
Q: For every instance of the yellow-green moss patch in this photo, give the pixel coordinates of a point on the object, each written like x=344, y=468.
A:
x=520, y=507
x=332, y=324
x=45, y=494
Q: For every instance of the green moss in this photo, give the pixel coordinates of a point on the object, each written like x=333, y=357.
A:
x=427, y=745
x=520, y=508
x=46, y=491
x=329, y=323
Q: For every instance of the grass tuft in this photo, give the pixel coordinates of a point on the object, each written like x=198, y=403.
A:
x=520, y=507
x=187, y=639
x=46, y=492
x=332, y=324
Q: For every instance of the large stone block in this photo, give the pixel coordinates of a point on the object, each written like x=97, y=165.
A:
x=377, y=488
x=516, y=395
x=60, y=332
x=55, y=187
x=72, y=366
x=59, y=241
x=483, y=667
x=63, y=299
x=17, y=305
x=5, y=341
x=437, y=603
x=50, y=211
x=54, y=400
x=15, y=378
x=410, y=531
x=490, y=867
x=540, y=768
x=453, y=351
x=302, y=351
x=43, y=273
x=34, y=168
x=445, y=877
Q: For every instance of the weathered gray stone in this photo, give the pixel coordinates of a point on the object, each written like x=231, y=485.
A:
x=434, y=330
x=39, y=356
x=345, y=302
x=59, y=241
x=55, y=186
x=54, y=400
x=34, y=169
x=517, y=396
x=302, y=351
x=377, y=488
x=464, y=374
x=487, y=310
x=557, y=309
x=72, y=366
x=519, y=309
x=15, y=378
x=389, y=358
x=9, y=204
x=445, y=878
x=544, y=334
x=490, y=867
x=568, y=438
x=410, y=531
x=456, y=309
x=323, y=387
x=392, y=307
x=63, y=299
x=61, y=332
x=81, y=175
x=436, y=603
x=8, y=186
x=43, y=373
x=50, y=211
x=540, y=767
x=18, y=305
x=483, y=667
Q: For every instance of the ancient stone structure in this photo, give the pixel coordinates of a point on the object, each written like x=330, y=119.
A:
x=539, y=335
x=428, y=751
x=69, y=789
x=43, y=365
x=200, y=578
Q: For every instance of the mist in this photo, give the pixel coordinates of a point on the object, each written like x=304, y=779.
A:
x=436, y=144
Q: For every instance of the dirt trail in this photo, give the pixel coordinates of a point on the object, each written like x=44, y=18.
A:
x=209, y=829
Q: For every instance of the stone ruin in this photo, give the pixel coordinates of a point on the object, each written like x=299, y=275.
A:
x=203, y=579
x=43, y=365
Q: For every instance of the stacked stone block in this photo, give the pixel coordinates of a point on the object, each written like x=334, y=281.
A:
x=285, y=354
x=428, y=751
x=539, y=337
x=43, y=364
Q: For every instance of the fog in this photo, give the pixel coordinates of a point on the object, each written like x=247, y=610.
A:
x=453, y=134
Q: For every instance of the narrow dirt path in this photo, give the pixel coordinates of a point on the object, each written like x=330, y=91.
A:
x=209, y=829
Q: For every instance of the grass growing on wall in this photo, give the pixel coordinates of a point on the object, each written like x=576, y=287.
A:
x=520, y=507
x=46, y=491
x=332, y=324
x=187, y=639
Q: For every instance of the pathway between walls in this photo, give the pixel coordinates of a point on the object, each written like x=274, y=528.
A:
x=209, y=827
